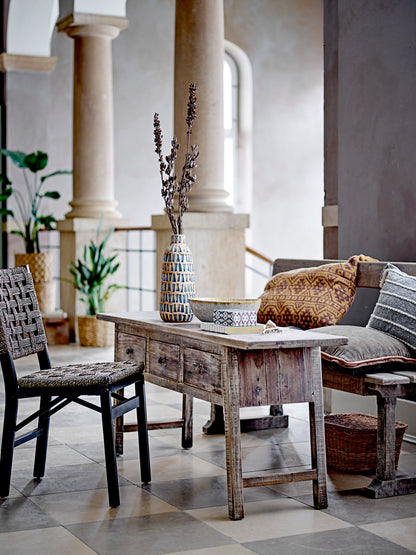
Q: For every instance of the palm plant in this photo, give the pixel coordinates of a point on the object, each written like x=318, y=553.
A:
x=29, y=219
x=91, y=272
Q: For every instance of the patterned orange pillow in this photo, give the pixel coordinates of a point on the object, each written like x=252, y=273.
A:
x=310, y=297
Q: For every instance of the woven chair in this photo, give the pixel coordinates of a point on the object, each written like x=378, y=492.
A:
x=21, y=334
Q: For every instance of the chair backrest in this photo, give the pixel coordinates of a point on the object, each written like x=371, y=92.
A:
x=21, y=327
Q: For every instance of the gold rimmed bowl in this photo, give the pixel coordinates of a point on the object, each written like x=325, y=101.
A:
x=203, y=308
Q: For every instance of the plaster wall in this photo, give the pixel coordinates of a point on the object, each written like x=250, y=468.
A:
x=375, y=116
x=283, y=40
x=376, y=128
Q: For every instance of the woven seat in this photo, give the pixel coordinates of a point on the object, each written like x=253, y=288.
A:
x=86, y=375
x=21, y=334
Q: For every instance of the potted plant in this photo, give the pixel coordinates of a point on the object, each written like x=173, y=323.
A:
x=30, y=220
x=90, y=277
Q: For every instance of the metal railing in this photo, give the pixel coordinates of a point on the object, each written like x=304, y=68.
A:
x=140, y=254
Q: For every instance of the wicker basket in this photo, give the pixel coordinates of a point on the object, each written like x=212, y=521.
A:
x=95, y=333
x=351, y=442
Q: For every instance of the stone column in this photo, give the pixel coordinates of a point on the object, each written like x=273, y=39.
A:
x=215, y=236
x=93, y=151
x=93, y=148
x=199, y=58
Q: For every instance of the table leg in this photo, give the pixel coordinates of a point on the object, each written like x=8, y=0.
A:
x=231, y=395
x=317, y=432
x=187, y=408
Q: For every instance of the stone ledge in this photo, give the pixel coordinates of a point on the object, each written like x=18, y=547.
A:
x=19, y=62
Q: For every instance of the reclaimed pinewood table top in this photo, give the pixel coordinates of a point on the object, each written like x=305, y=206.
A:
x=287, y=338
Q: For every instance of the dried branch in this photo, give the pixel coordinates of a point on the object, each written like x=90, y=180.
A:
x=170, y=185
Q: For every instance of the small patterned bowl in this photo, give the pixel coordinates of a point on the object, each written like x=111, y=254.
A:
x=203, y=308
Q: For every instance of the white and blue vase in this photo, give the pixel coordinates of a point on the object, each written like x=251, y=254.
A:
x=178, y=282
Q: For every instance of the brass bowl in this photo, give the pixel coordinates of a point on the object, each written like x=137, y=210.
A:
x=203, y=308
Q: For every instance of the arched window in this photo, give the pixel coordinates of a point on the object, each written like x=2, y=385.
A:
x=230, y=125
x=238, y=127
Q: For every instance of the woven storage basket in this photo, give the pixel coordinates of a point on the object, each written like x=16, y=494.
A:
x=95, y=333
x=351, y=442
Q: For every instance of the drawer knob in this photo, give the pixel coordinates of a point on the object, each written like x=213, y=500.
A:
x=200, y=368
x=162, y=360
x=129, y=351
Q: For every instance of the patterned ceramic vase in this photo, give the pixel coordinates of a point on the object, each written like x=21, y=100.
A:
x=178, y=282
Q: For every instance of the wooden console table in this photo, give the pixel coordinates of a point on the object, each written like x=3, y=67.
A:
x=233, y=371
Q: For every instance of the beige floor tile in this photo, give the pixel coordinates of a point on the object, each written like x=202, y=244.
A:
x=92, y=505
x=402, y=531
x=43, y=540
x=269, y=519
x=157, y=413
x=58, y=455
x=219, y=550
x=176, y=467
x=77, y=434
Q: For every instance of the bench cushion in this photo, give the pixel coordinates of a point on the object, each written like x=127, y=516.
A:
x=368, y=350
x=395, y=310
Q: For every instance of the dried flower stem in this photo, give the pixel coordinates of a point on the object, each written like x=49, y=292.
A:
x=170, y=185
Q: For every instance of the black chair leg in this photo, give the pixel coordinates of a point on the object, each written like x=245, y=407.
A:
x=109, y=449
x=42, y=440
x=7, y=445
x=142, y=431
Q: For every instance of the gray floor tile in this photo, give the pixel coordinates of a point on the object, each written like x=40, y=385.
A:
x=197, y=493
x=354, y=507
x=19, y=513
x=347, y=541
x=62, y=479
x=152, y=534
x=265, y=457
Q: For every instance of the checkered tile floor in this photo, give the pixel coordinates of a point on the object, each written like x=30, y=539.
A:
x=184, y=509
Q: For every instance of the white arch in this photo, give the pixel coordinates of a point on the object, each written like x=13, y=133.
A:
x=30, y=26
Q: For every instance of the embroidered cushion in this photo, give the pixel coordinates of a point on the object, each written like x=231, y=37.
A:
x=395, y=310
x=368, y=350
x=309, y=297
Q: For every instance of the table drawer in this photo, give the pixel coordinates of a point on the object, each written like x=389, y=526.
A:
x=202, y=370
x=164, y=360
x=131, y=347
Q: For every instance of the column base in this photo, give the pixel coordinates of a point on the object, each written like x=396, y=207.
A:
x=93, y=209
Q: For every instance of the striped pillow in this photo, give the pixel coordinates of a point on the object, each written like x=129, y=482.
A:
x=395, y=311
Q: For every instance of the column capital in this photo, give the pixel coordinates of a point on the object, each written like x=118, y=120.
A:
x=78, y=24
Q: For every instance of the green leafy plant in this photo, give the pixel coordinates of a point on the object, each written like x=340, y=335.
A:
x=29, y=219
x=91, y=272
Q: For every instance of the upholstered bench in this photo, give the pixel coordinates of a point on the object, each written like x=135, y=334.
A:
x=374, y=362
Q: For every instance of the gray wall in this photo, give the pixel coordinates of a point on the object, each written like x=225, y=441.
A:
x=370, y=144
x=377, y=128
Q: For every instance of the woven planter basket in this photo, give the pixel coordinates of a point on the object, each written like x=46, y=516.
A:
x=95, y=333
x=40, y=264
x=351, y=442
